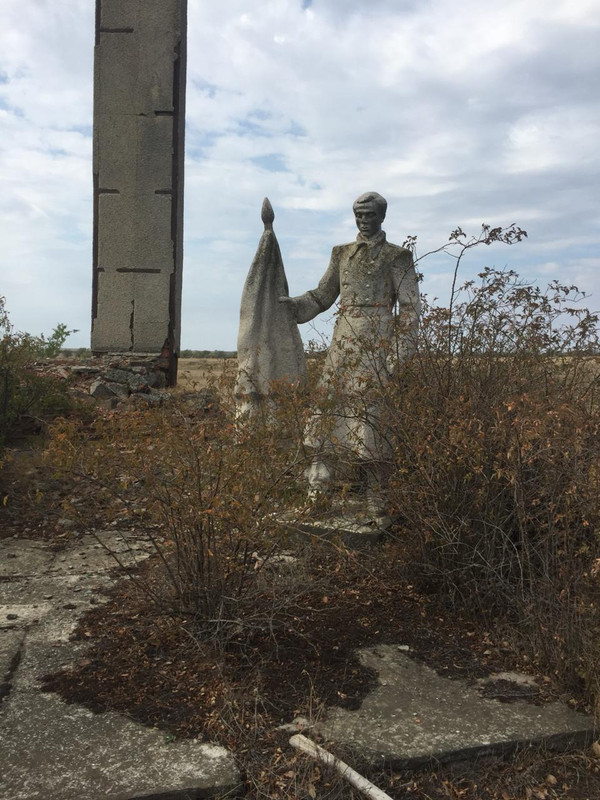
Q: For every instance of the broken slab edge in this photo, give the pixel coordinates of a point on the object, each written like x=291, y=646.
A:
x=221, y=792
x=557, y=742
x=353, y=535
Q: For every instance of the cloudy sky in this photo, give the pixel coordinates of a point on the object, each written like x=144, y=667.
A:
x=458, y=113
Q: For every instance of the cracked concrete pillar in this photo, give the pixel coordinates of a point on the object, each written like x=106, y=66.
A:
x=139, y=116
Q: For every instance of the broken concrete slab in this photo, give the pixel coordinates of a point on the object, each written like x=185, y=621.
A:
x=93, y=553
x=56, y=628
x=354, y=530
x=415, y=716
x=24, y=557
x=38, y=658
x=101, y=390
x=10, y=649
x=354, y=534
x=57, y=588
x=51, y=749
x=21, y=615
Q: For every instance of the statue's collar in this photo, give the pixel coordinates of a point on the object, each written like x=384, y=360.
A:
x=375, y=243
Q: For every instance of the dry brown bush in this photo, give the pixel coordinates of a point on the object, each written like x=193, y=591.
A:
x=494, y=433
x=495, y=427
x=206, y=492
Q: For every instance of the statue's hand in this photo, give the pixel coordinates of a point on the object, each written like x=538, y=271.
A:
x=290, y=303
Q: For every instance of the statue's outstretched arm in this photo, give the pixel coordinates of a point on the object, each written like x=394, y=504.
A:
x=306, y=306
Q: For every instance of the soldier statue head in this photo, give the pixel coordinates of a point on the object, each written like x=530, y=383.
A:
x=369, y=213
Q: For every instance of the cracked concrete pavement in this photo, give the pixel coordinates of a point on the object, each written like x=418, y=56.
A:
x=415, y=716
x=54, y=751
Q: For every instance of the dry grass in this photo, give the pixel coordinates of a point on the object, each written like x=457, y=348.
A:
x=198, y=373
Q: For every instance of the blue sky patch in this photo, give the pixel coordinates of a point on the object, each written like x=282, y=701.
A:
x=272, y=162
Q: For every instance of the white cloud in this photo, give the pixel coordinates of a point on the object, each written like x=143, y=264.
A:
x=563, y=138
x=457, y=113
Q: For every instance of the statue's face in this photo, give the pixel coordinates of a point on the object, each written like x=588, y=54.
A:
x=368, y=219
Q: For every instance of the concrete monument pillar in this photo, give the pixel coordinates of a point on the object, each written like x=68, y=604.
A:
x=139, y=114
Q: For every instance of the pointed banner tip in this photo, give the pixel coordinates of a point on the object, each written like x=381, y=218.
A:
x=267, y=214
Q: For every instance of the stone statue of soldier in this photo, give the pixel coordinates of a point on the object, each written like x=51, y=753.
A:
x=378, y=292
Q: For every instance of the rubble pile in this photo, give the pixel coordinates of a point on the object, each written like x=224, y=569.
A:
x=113, y=379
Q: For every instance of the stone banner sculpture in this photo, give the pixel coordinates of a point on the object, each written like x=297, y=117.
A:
x=269, y=344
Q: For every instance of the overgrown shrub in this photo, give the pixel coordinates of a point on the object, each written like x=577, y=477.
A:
x=22, y=391
x=491, y=434
x=489, y=437
x=208, y=493
x=495, y=429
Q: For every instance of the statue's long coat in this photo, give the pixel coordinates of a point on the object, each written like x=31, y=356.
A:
x=377, y=285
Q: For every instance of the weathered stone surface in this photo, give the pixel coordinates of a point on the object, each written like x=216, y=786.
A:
x=154, y=399
x=118, y=379
x=137, y=383
x=269, y=344
x=415, y=716
x=144, y=257
x=49, y=749
x=353, y=532
x=10, y=646
x=20, y=615
x=151, y=138
x=41, y=656
x=115, y=375
x=22, y=558
x=112, y=325
x=139, y=100
x=100, y=552
x=65, y=593
x=101, y=390
x=116, y=14
x=118, y=390
x=134, y=56
x=156, y=380
x=83, y=369
x=106, y=390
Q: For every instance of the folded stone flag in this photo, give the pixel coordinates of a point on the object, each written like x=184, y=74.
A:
x=269, y=344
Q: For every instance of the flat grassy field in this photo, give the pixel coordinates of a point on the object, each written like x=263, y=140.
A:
x=197, y=373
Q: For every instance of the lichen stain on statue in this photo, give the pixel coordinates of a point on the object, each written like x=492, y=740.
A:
x=269, y=344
